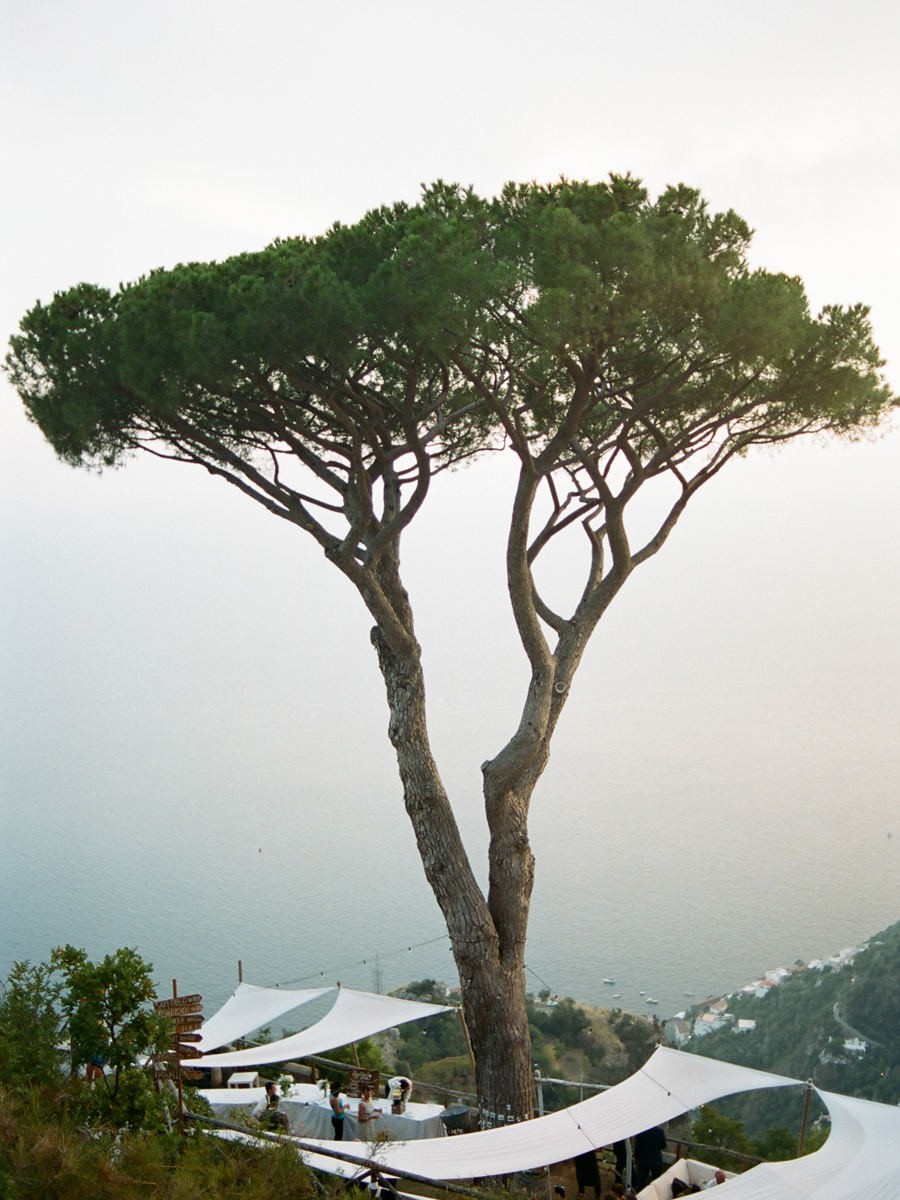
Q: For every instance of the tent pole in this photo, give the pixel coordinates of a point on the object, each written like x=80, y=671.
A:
x=355, y=1055
x=801, y=1141
x=240, y=971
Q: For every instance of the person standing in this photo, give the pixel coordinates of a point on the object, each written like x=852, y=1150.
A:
x=339, y=1109
x=620, y=1149
x=367, y=1110
x=649, y=1146
x=587, y=1172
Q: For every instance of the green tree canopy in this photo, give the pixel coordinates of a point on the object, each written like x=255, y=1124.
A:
x=108, y=1006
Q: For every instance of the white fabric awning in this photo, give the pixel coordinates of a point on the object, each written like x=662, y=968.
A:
x=860, y=1160
x=355, y=1015
x=669, y=1084
x=250, y=1007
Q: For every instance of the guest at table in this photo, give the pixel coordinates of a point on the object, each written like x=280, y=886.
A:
x=367, y=1110
x=267, y=1112
x=339, y=1109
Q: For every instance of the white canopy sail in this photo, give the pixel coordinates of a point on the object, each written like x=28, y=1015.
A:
x=669, y=1084
x=860, y=1160
x=250, y=1007
x=355, y=1015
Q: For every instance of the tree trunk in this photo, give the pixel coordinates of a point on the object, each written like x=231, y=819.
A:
x=491, y=966
x=494, y=1004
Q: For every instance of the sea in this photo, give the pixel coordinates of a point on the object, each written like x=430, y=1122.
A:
x=194, y=761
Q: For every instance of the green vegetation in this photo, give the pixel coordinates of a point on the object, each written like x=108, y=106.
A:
x=57, y=1017
x=63, y=1137
x=440, y=1039
x=714, y=1128
x=368, y=1054
x=568, y=1040
x=48, y=1153
x=799, y=1033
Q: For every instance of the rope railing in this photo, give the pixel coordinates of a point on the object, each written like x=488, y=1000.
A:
x=367, y=1165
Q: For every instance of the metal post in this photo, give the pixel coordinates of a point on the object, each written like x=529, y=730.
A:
x=628, y=1164
x=540, y=1090
x=355, y=1055
x=240, y=971
x=802, y=1139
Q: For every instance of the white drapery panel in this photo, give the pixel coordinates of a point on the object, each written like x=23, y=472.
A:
x=860, y=1160
x=669, y=1084
x=250, y=1007
x=355, y=1015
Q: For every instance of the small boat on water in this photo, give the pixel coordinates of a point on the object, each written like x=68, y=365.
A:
x=650, y=1000
x=643, y=993
x=617, y=995
x=689, y=993
x=609, y=981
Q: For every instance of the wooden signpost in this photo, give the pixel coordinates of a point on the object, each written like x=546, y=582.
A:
x=186, y=1012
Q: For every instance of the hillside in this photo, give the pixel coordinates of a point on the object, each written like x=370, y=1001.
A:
x=835, y=1022
x=568, y=1040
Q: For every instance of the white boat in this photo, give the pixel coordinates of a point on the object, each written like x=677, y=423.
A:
x=609, y=981
x=650, y=1000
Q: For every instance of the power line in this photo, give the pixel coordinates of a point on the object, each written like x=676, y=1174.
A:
x=363, y=962
x=331, y=972
x=538, y=977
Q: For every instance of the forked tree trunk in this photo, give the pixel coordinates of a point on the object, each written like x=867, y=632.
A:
x=487, y=934
x=490, y=961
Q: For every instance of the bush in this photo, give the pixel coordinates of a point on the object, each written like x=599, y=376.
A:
x=45, y=1154
x=30, y=1028
x=370, y=1057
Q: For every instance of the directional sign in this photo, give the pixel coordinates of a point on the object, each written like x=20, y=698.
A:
x=187, y=1037
x=195, y=1001
x=180, y=1052
x=176, y=1073
x=180, y=1011
x=182, y=1024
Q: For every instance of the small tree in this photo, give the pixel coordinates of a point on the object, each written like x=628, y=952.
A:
x=613, y=345
x=106, y=1004
x=30, y=1027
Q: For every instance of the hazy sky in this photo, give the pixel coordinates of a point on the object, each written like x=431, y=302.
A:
x=182, y=676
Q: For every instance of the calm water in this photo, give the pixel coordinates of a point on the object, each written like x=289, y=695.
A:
x=195, y=762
